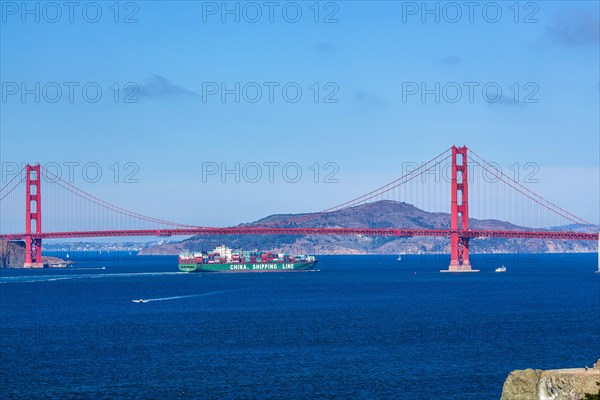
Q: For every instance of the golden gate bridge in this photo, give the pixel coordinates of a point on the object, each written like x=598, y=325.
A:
x=74, y=213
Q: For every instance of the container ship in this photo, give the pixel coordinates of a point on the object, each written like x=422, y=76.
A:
x=223, y=259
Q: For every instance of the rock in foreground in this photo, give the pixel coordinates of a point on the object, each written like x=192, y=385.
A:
x=12, y=255
x=557, y=384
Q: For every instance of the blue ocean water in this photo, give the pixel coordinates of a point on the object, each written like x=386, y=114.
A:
x=363, y=327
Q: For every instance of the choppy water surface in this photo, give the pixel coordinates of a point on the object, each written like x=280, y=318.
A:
x=362, y=327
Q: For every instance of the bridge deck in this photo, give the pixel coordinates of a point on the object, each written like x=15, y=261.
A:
x=556, y=235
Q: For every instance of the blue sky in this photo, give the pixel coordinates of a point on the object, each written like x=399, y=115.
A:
x=367, y=60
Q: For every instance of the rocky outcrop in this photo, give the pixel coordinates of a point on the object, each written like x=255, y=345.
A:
x=558, y=384
x=12, y=255
x=522, y=385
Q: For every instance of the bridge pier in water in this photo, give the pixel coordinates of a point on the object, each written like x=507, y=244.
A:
x=33, y=217
x=459, y=187
x=598, y=272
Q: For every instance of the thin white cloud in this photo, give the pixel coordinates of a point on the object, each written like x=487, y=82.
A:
x=574, y=27
x=158, y=86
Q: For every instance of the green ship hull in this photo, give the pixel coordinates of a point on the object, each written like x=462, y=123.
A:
x=246, y=267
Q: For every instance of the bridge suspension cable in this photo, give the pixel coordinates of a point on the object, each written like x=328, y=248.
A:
x=79, y=193
x=5, y=187
x=420, y=170
x=528, y=193
x=386, y=190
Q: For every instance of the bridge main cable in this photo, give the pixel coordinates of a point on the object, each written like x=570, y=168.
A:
x=529, y=193
x=400, y=181
x=374, y=193
x=11, y=181
x=93, y=199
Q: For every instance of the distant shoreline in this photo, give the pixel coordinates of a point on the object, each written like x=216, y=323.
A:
x=405, y=254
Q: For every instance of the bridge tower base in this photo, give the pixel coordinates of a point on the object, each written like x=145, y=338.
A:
x=598, y=272
x=33, y=217
x=459, y=245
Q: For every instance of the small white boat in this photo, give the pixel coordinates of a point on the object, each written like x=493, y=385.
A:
x=501, y=269
x=399, y=258
x=140, y=301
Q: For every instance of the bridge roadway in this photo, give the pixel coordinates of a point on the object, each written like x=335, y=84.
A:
x=247, y=230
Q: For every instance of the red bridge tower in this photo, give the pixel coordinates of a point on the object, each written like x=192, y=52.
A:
x=33, y=212
x=459, y=206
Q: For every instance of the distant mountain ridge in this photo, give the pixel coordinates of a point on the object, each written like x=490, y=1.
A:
x=381, y=214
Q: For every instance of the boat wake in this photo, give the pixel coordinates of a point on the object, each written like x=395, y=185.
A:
x=51, y=278
x=194, y=295
x=173, y=298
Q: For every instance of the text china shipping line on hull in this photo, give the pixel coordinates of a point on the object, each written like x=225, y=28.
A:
x=223, y=259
